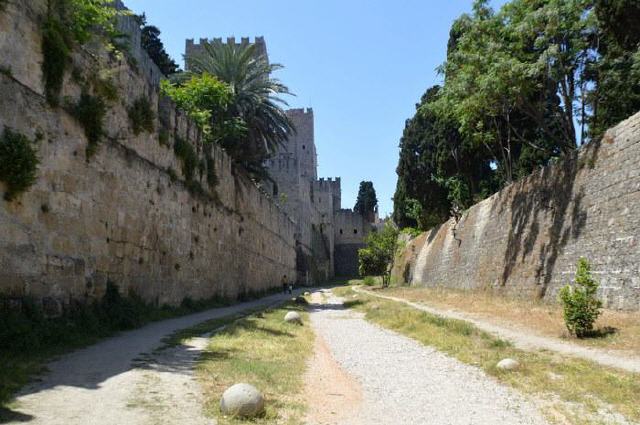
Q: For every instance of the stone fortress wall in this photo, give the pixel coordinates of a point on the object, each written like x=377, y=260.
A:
x=313, y=204
x=122, y=216
x=526, y=239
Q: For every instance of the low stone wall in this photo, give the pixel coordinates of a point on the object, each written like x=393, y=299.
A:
x=122, y=215
x=526, y=239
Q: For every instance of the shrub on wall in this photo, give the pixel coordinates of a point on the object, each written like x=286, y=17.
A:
x=90, y=112
x=18, y=163
x=581, y=306
x=141, y=116
x=56, y=53
x=187, y=155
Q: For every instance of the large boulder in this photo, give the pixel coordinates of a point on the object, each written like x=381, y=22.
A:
x=242, y=400
x=293, y=317
x=508, y=364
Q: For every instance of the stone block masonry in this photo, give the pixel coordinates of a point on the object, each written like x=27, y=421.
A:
x=526, y=239
x=123, y=215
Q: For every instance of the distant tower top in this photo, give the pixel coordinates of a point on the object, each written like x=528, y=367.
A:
x=193, y=49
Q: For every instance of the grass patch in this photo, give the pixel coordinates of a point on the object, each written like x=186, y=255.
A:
x=264, y=351
x=578, y=390
x=30, y=339
x=616, y=330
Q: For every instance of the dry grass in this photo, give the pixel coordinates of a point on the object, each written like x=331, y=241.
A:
x=618, y=330
x=266, y=352
x=568, y=390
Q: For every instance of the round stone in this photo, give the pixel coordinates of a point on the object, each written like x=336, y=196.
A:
x=242, y=400
x=306, y=294
x=508, y=364
x=293, y=317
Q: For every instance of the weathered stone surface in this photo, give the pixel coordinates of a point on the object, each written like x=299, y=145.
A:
x=526, y=239
x=120, y=216
x=242, y=400
x=508, y=364
x=293, y=317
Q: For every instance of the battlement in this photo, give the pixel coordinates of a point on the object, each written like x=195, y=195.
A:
x=230, y=40
x=300, y=111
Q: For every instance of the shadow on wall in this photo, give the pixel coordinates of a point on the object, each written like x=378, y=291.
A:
x=545, y=208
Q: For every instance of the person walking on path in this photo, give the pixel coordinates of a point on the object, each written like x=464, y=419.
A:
x=285, y=285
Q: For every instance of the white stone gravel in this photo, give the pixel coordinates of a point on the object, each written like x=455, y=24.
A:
x=405, y=382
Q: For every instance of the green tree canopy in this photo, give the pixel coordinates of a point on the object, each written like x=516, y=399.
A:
x=255, y=101
x=367, y=202
x=522, y=86
x=152, y=43
x=376, y=259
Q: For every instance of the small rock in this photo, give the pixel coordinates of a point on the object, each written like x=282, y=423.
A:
x=293, y=317
x=242, y=400
x=354, y=296
x=508, y=364
x=306, y=294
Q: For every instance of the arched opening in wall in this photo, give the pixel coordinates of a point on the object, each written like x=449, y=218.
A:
x=340, y=231
x=304, y=147
x=355, y=231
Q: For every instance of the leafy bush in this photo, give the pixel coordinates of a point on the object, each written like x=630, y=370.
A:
x=141, y=116
x=203, y=98
x=90, y=112
x=581, y=307
x=18, y=163
x=377, y=258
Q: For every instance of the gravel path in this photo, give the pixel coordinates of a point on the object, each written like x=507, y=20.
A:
x=404, y=382
x=526, y=341
x=118, y=381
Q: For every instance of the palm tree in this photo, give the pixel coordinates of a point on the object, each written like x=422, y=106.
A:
x=255, y=100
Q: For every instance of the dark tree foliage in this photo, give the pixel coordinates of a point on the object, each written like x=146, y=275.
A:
x=367, y=202
x=617, y=74
x=522, y=86
x=155, y=48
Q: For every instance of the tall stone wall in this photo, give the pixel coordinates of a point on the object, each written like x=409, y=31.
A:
x=350, y=230
x=122, y=215
x=526, y=239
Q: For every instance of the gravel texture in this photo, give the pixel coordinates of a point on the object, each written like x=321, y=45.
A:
x=404, y=382
x=121, y=381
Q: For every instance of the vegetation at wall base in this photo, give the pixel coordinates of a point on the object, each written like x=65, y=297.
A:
x=580, y=303
x=141, y=116
x=30, y=339
x=376, y=259
x=577, y=391
x=18, y=163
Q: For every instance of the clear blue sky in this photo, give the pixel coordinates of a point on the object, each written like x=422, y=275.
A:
x=360, y=64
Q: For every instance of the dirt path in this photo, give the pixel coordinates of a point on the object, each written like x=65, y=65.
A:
x=527, y=341
x=404, y=382
x=332, y=395
x=118, y=381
